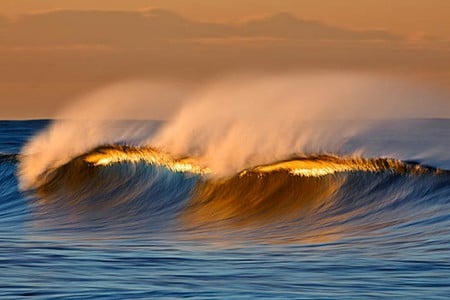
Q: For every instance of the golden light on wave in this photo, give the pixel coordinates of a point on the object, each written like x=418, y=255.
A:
x=112, y=155
x=326, y=165
x=243, y=201
x=311, y=166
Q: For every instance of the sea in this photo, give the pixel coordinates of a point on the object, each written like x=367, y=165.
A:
x=126, y=221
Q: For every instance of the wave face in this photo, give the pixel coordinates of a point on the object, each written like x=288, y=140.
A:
x=312, y=198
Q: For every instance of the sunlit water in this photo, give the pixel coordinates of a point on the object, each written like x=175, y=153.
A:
x=131, y=229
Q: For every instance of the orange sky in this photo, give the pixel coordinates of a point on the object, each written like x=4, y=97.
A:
x=402, y=16
x=48, y=57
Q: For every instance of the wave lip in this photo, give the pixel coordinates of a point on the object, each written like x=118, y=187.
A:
x=321, y=165
x=107, y=155
x=304, y=166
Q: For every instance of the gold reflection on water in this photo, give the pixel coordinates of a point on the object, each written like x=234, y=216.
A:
x=251, y=199
x=317, y=166
x=111, y=155
x=311, y=166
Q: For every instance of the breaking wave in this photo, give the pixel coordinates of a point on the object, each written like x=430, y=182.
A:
x=271, y=158
x=307, y=198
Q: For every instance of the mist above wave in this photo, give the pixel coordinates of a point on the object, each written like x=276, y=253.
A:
x=232, y=123
x=242, y=121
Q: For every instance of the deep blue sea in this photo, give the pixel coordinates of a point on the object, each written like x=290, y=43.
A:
x=112, y=224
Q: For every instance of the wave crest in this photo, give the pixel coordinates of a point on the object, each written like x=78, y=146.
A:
x=304, y=166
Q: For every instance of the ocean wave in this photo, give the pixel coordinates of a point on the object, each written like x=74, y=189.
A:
x=299, y=198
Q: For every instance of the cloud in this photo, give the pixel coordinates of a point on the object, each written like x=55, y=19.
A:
x=141, y=29
x=284, y=25
x=48, y=58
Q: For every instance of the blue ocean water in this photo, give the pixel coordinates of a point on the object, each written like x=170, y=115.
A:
x=139, y=231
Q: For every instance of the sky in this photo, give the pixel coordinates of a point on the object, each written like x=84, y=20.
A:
x=53, y=51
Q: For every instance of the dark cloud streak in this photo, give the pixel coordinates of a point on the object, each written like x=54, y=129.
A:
x=137, y=29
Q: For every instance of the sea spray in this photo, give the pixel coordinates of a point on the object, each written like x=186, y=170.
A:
x=230, y=124
x=106, y=116
x=249, y=120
